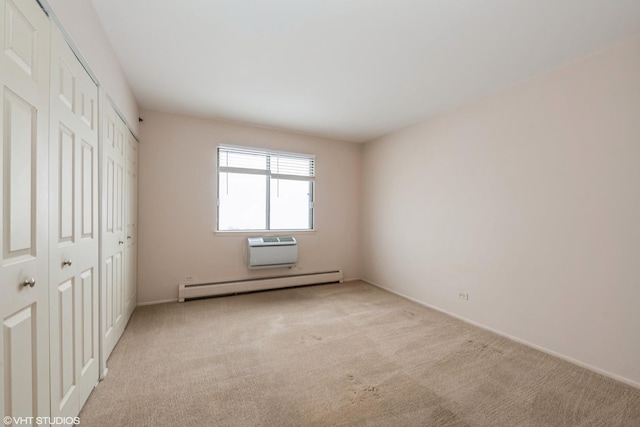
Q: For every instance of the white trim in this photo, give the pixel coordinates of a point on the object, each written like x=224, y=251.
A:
x=571, y=360
x=269, y=174
x=163, y=301
x=142, y=304
x=199, y=290
x=266, y=233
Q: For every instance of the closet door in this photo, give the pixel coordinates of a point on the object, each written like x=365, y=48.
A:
x=73, y=228
x=24, y=129
x=113, y=229
x=131, y=247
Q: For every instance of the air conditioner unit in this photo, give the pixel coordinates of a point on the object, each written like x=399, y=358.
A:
x=272, y=252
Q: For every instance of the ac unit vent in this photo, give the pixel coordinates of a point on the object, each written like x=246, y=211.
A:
x=272, y=252
x=271, y=241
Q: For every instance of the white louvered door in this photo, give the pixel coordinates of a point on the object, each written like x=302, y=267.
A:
x=24, y=130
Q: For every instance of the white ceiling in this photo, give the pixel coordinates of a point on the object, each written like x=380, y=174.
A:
x=347, y=69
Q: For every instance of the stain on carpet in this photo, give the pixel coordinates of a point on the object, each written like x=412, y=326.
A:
x=305, y=339
x=359, y=392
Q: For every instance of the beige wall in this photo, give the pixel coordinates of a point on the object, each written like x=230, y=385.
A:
x=529, y=200
x=178, y=194
x=80, y=21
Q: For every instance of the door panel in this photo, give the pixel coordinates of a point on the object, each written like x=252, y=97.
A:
x=74, y=255
x=21, y=43
x=89, y=319
x=66, y=179
x=118, y=193
x=20, y=136
x=131, y=263
x=88, y=107
x=87, y=204
x=64, y=347
x=24, y=132
x=20, y=382
x=66, y=82
x=109, y=297
x=113, y=232
x=118, y=281
x=119, y=229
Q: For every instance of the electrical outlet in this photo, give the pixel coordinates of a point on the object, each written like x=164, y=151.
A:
x=188, y=279
x=463, y=296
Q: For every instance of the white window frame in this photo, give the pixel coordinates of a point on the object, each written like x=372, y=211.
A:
x=268, y=173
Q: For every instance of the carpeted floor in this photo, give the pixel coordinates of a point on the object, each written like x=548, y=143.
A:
x=336, y=355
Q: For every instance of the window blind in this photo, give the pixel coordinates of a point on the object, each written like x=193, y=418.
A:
x=275, y=164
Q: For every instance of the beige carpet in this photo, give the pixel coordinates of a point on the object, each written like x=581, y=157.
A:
x=331, y=355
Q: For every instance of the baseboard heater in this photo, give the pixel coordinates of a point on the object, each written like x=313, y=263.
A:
x=202, y=290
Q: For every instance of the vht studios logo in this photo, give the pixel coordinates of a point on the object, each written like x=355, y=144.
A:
x=30, y=421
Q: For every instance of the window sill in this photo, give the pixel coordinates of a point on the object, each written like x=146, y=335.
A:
x=250, y=233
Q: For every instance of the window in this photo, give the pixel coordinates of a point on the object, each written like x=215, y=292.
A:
x=264, y=190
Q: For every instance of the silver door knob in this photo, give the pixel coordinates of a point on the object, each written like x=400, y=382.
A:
x=128, y=237
x=120, y=242
x=66, y=262
x=29, y=282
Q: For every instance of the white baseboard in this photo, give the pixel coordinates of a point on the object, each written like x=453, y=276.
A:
x=164, y=301
x=103, y=375
x=188, y=291
x=141, y=304
x=512, y=338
